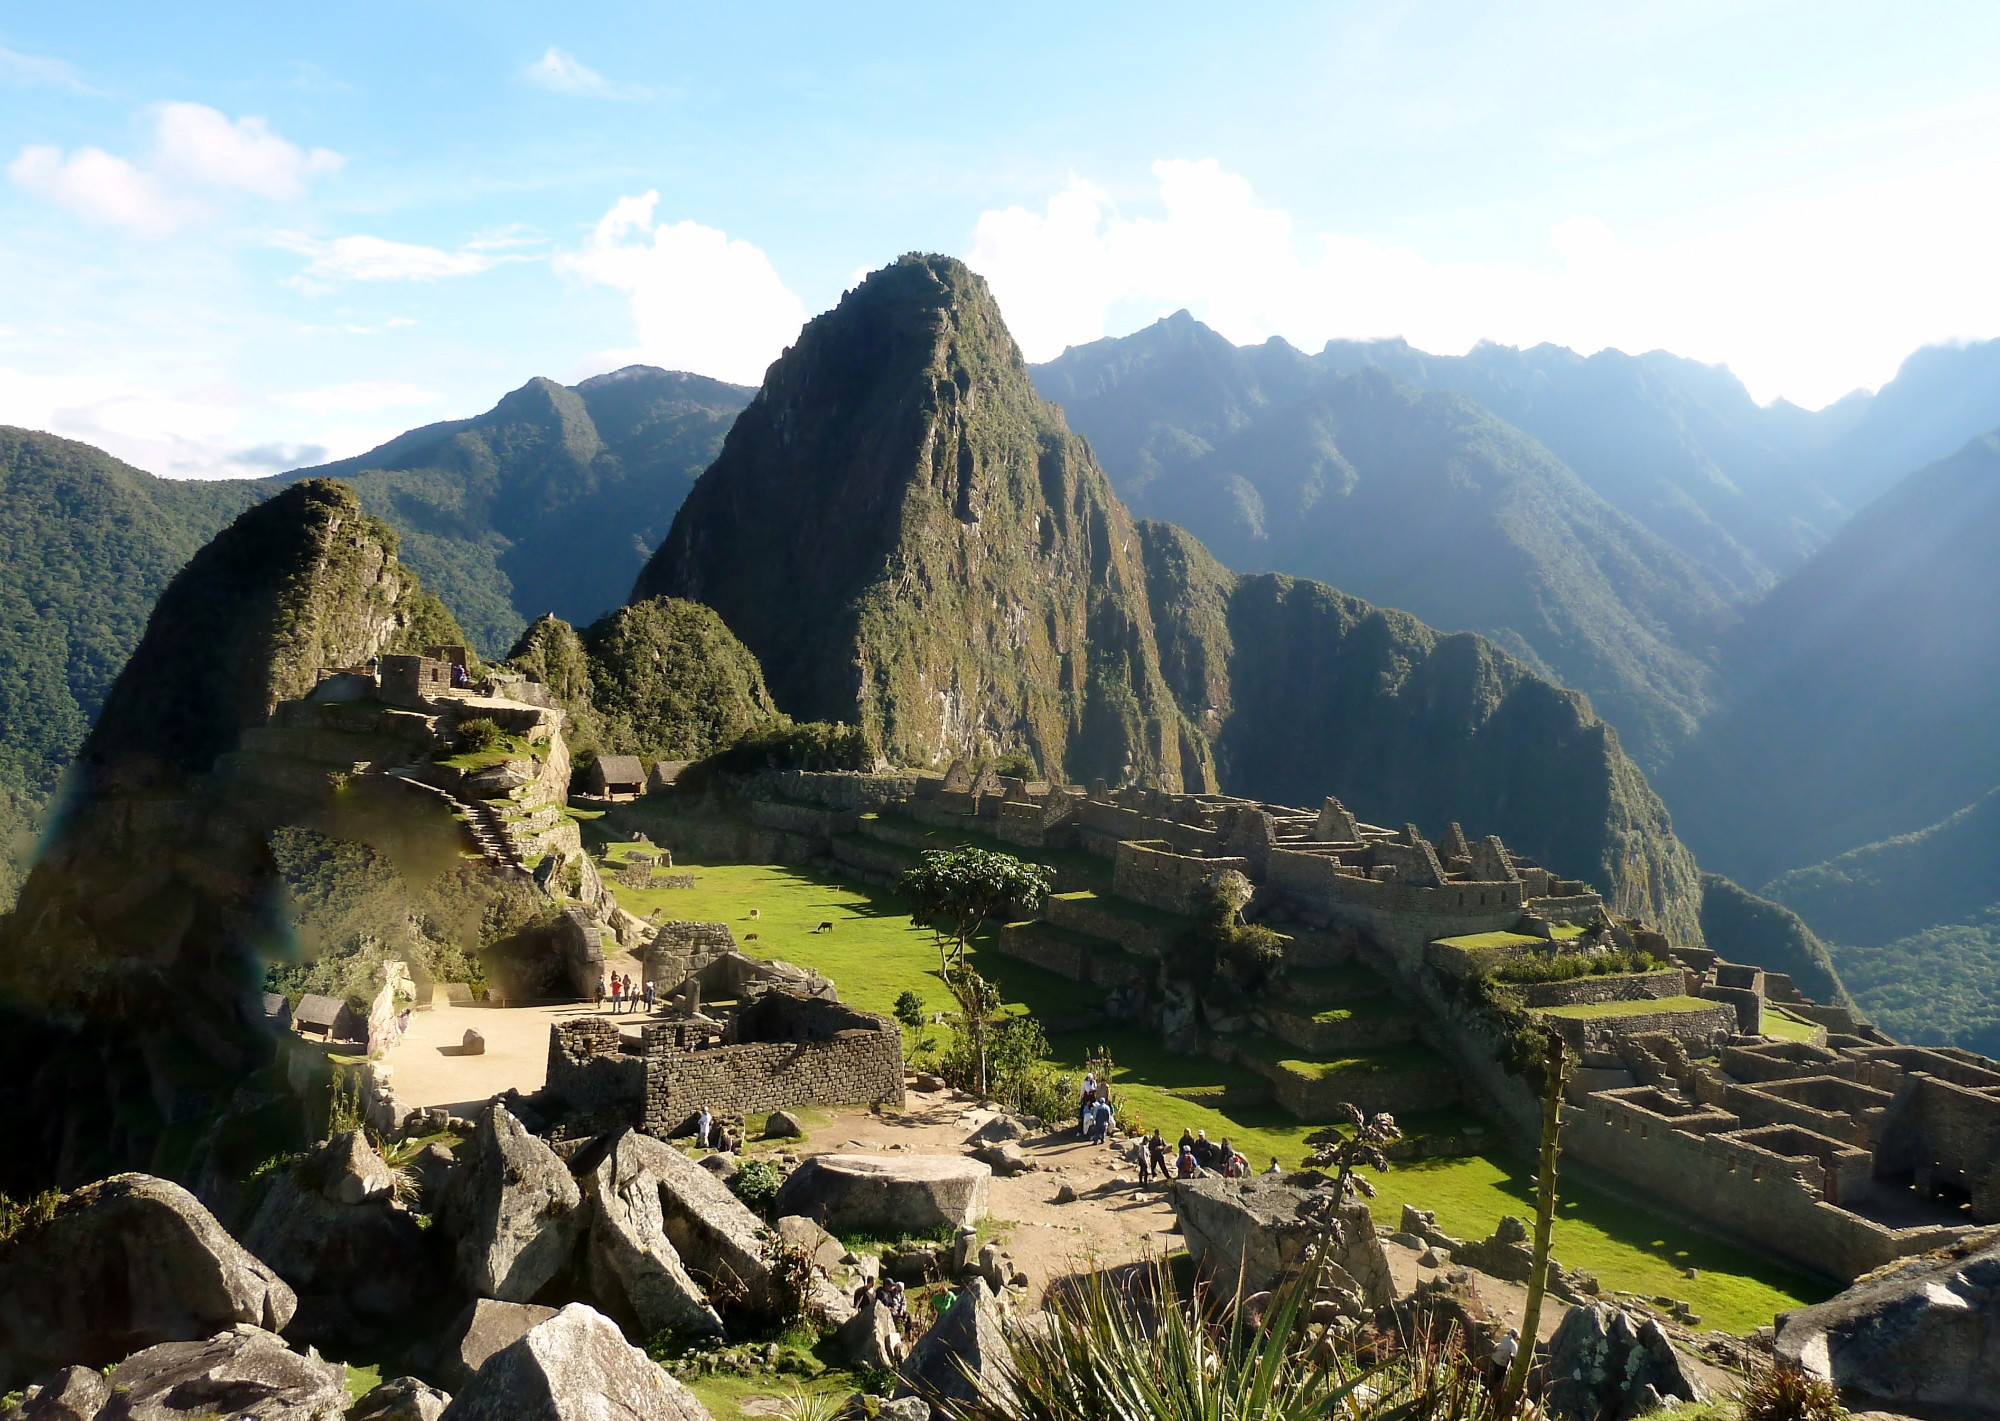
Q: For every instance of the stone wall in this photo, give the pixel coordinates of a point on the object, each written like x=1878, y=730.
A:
x=1740, y=1186
x=826, y=1064
x=1693, y=1027
x=591, y=1073
x=1611, y=987
x=1135, y=934
x=1153, y=872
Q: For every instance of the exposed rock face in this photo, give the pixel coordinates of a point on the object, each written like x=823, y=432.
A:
x=126, y=1263
x=910, y=539
x=576, y=1366
x=1258, y=1231
x=404, y=1399
x=871, y=1340
x=511, y=1210
x=72, y=1394
x=244, y=1372
x=485, y=1327
x=962, y=1354
x=634, y=1270
x=895, y=1197
x=1603, y=1366
x=1925, y=1334
x=716, y=1237
x=356, y=1259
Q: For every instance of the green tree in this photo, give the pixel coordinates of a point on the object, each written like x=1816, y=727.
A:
x=978, y=1000
x=910, y=1010
x=954, y=891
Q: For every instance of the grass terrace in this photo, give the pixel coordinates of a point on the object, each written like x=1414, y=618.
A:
x=874, y=953
x=1646, y=1006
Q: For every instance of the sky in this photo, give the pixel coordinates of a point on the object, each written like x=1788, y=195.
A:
x=235, y=240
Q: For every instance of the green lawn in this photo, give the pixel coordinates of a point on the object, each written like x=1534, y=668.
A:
x=1784, y=1024
x=874, y=953
x=1474, y=942
x=1646, y=1006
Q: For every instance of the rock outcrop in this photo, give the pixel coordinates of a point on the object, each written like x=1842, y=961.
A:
x=244, y=1372
x=891, y=1197
x=962, y=1355
x=126, y=1263
x=485, y=1326
x=1923, y=1335
x=72, y=1394
x=576, y=1366
x=1252, y=1234
x=356, y=1259
x=403, y=1399
x=634, y=1268
x=511, y=1210
x=1606, y=1366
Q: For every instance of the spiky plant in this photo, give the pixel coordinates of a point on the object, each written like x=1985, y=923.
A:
x=1786, y=1394
x=1344, y=1152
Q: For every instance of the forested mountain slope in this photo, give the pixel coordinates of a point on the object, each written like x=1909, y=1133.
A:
x=1425, y=502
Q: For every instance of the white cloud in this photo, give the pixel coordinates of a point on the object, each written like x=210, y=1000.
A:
x=362, y=258
x=1814, y=292
x=700, y=301
x=562, y=72
x=197, y=154
x=35, y=69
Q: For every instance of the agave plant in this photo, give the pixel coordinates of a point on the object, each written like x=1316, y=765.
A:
x=1147, y=1354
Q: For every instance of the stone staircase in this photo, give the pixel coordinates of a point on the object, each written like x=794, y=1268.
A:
x=483, y=824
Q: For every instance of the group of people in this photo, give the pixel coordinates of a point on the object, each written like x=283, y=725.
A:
x=1094, y=1114
x=712, y=1134
x=1193, y=1157
x=890, y=1293
x=625, y=994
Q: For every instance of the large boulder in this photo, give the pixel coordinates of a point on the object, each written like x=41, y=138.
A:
x=72, y=1394
x=330, y=1227
x=483, y=1328
x=126, y=1263
x=962, y=1356
x=870, y=1340
x=576, y=1366
x=1251, y=1234
x=1924, y=1334
x=510, y=1209
x=635, y=1271
x=1606, y=1366
x=404, y=1399
x=717, y=1237
x=888, y=1197
x=243, y=1372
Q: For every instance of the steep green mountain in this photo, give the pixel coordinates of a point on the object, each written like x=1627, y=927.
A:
x=1915, y=924
x=132, y=964
x=549, y=502
x=1306, y=691
x=1420, y=501
x=1863, y=695
x=662, y=678
x=908, y=538
x=86, y=545
x=1675, y=444
x=1746, y=928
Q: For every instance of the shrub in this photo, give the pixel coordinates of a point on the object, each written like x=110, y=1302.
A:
x=1565, y=966
x=1016, y=766
x=757, y=1183
x=1783, y=1394
x=478, y=734
x=28, y=1215
x=910, y=1011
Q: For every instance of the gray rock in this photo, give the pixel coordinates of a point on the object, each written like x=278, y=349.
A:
x=783, y=1125
x=1248, y=1235
x=472, y=1043
x=722, y=1166
x=1005, y=1159
x=1923, y=1335
x=356, y=1267
x=717, y=1237
x=126, y=1263
x=926, y=1082
x=511, y=1210
x=870, y=1339
x=485, y=1327
x=1066, y=1193
x=351, y=1172
x=894, y=1197
x=798, y=1231
x=1603, y=1363
x=72, y=1394
x=404, y=1399
x=961, y=1356
x=243, y=1372
x=576, y=1366
x=904, y=1408
x=998, y=1130
x=1511, y=1229
x=634, y=1269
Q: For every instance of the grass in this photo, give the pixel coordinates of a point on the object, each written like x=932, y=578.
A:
x=874, y=954
x=1784, y=1024
x=1408, y=1056
x=723, y=1393
x=362, y=1380
x=1646, y=1006
x=1474, y=942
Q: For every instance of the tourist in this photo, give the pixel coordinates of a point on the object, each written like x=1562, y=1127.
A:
x=1204, y=1150
x=1144, y=1155
x=1157, y=1148
x=1187, y=1140
x=649, y=997
x=1188, y=1167
x=1105, y=1118
x=865, y=1294
x=1086, y=1105
x=617, y=992
x=597, y=1001
x=1234, y=1166
x=1275, y=1168
x=899, y=1304
x=1504, y=1352
x=703, y=1123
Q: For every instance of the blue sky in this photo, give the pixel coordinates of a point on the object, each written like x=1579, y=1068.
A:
x=234, y=239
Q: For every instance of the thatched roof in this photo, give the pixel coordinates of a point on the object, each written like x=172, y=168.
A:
x=618, y=770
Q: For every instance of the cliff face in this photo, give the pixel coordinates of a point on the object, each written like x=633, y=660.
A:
x=1305, y=691
x=906, y=536
x=132, y=965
